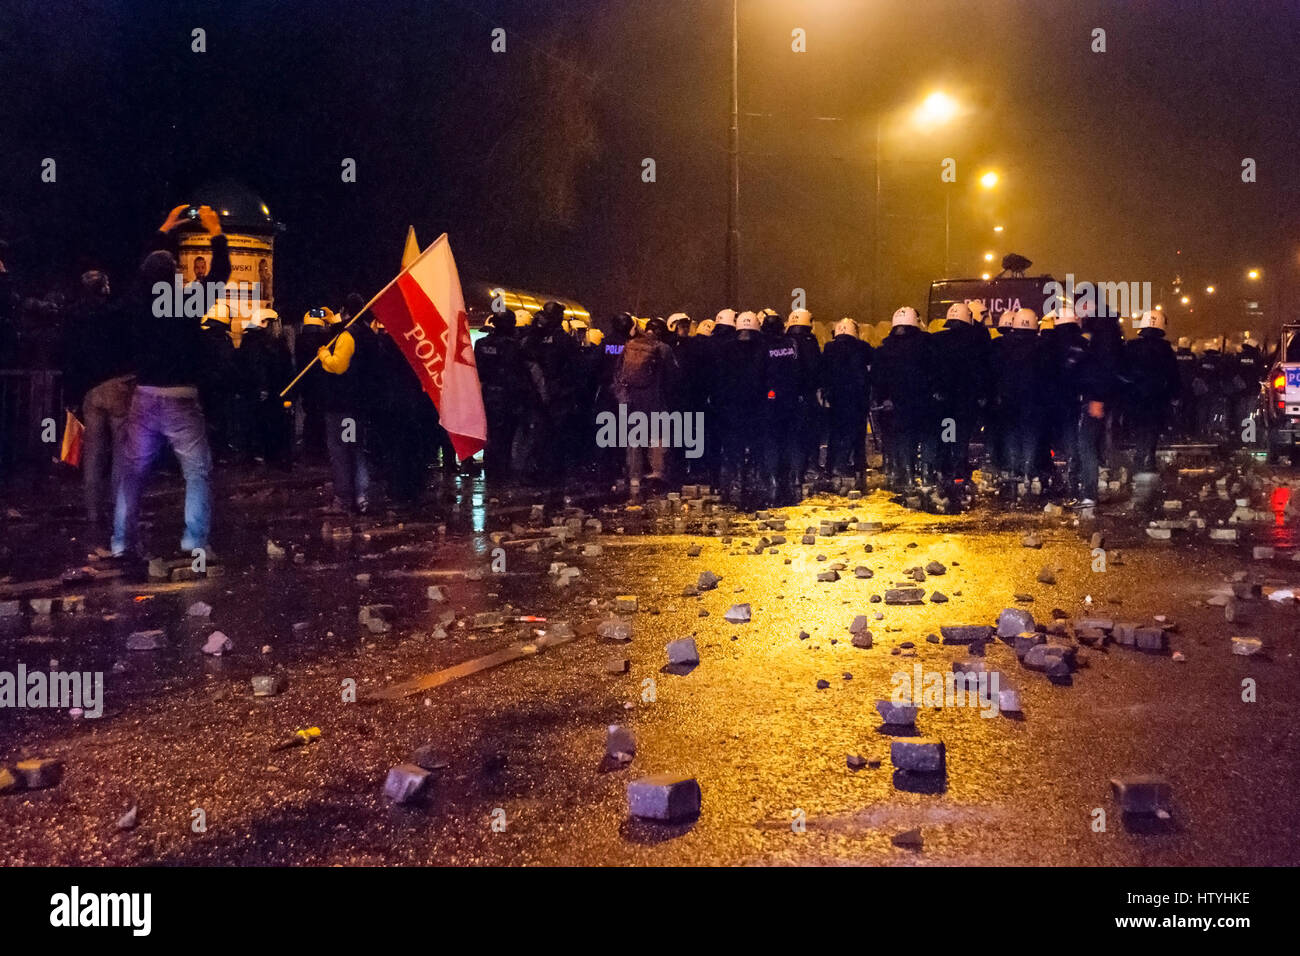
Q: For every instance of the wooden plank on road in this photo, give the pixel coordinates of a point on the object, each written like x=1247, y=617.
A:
x=448, y=674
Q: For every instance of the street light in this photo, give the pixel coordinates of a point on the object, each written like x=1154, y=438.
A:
x=935, y=110
x=989, y=180
x=997, y=228
x=1253, y=274
x=1184, y=300
x=988, y=257
x=733, y=163
x=1209, y=289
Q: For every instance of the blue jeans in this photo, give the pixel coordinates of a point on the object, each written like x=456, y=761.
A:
x=348, y=459
x=104, y=412
x=157, y=419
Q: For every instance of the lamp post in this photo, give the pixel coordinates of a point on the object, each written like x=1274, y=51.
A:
x=937, y=109
x=733, y=157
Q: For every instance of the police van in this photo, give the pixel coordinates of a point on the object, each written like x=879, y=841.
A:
x=998, y=295
x=1280, y=396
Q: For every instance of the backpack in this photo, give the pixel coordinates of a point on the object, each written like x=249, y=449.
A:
x=641, y=364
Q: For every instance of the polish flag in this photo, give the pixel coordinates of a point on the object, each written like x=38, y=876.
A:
x=424, y=312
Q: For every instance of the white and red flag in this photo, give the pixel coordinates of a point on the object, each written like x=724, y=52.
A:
x=424, y=312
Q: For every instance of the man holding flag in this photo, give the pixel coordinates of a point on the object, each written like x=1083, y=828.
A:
x=423, y=312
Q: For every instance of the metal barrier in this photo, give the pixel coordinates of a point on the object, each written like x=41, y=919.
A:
x=27, y=398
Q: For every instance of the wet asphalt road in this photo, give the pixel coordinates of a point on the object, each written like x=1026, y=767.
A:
x=182, y=732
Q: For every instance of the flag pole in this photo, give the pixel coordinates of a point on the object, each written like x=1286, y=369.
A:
x=316, y=357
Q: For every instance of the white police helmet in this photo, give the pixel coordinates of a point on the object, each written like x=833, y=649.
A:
x=959, y=312
x=1024, y=319
x=906, y=316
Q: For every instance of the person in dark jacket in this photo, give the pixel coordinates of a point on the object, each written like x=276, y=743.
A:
x=644, y=381
x=507, y=384
x=1065, y=358
x=97, y=386
x=609, y=461
x=1208, y=387
x=263, y=367
x=1098, y=376
x=738, y=398
x=846, y=383
x=904, y=370
x=1186, y=417
x=219, y=380
x=783, y=412
x=961, y=392
x=319, y=326
x=715, y=349
x=1151, y=383
x=1246, y=372
x=166, y=409
x=556, y=355
x=812, y=417
x=349, y=364
x=1018, y=377
x=695, y=357
x=403, y=420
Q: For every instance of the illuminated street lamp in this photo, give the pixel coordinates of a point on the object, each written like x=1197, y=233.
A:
x=997, y=228
x=1209, y=289
x=935, y=110
x=985, y=276
x=1253, y=274
x=1184, y=300
x=988, y=257
x=989, y=180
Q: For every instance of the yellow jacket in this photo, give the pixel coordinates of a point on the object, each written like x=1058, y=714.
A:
x=337, y=361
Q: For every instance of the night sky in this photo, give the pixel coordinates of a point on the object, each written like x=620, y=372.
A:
x=531, y=160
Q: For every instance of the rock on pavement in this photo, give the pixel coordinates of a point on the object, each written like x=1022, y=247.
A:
x=664, y=796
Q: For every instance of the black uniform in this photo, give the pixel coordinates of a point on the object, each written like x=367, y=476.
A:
x=960, y=350
x=217, y=384
x=783, y=416
x=738, y=397
x=1018, y=383
x=1151, y=382
x=846, y=383
x=1208, y=388
x=557, y=358
x=310, y=339
x=1247, y=371
x=811, y=417
x=904, y=379
x=507, y=391
x=263, y=367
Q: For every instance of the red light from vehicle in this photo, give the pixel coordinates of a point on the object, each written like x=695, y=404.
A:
x=1279, y=383
x=771, y=393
